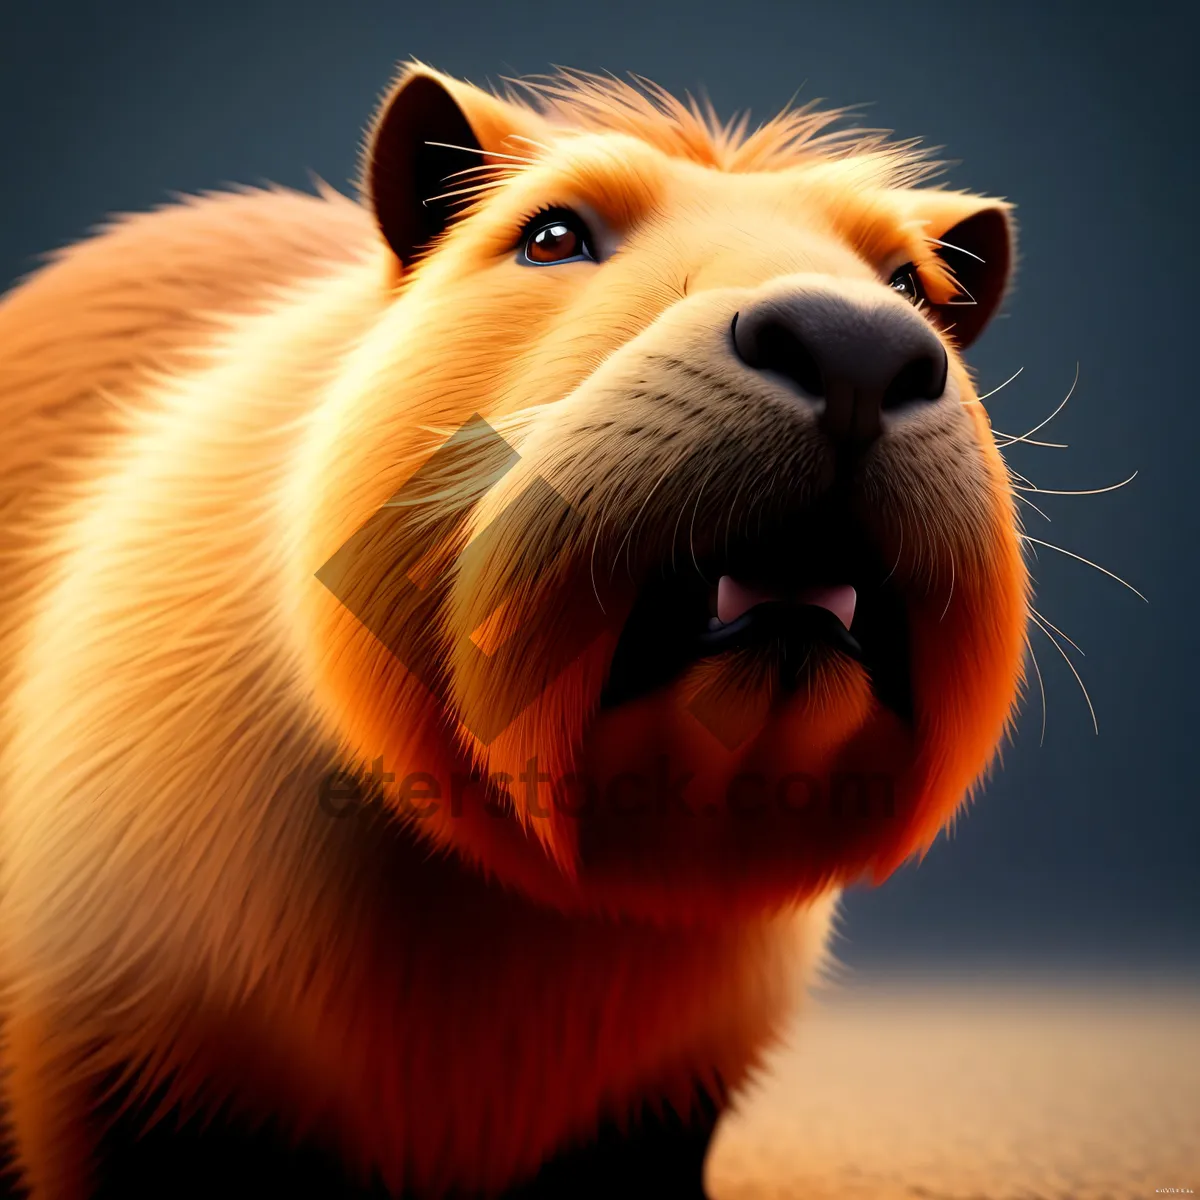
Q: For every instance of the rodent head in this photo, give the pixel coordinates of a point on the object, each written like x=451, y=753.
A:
x=656, y=410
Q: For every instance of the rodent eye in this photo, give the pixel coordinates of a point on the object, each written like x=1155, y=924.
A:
x=556, y=237
x=907, y=282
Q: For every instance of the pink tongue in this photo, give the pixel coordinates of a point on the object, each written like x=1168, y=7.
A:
x=735, y=598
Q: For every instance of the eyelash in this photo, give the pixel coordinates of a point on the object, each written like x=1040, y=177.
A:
x=545, y=213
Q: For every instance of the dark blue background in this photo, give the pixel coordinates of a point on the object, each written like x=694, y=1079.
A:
x=1083, y=850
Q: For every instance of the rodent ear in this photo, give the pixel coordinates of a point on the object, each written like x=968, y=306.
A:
x=974, y=239
x=428, y=130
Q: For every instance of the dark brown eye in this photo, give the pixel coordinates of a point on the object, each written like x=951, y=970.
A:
x=907, y=282
x=558, y=237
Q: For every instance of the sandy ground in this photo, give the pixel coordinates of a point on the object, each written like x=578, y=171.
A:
x=953, y=1091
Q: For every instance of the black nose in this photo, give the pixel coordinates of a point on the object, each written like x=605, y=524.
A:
x=862, y=357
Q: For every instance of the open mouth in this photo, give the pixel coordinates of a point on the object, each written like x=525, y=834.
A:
x=781, y=602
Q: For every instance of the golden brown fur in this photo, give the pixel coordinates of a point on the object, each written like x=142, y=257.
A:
x=201, y=406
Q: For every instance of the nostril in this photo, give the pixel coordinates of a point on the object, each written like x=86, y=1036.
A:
x=922, y=378
x=771, y=346
x=785, y=353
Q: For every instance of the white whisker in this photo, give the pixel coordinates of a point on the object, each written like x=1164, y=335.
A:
x=1080, y=492
x=1023, y=478
x=1037, y=670
x=1003, y=385
x=474, y=189
x=1013, y=440
x=967, y=303
x=592, y=559
x=968, y=253
x=517, y=137
x=899, y=550
x=732, y=506
x=1066, y=658
x=633, y=524
x=478, y=150
x=692, y=526
x=1087, y=561
x=951, y=596
x=1023, y=500
x=1061, y=405
x=1042, y=617
x=478, y=169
